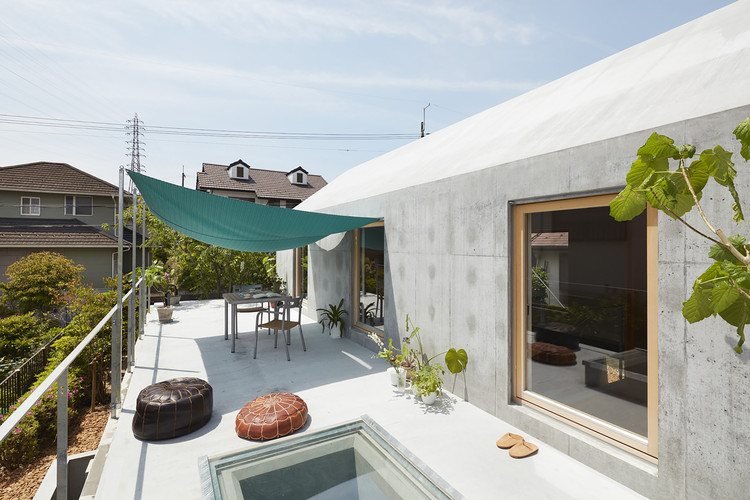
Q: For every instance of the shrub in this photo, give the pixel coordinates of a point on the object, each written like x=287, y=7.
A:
x=38, y=428
x=38, y=281
x=21, y=335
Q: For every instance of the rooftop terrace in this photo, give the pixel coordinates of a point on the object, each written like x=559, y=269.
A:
x=339, y=381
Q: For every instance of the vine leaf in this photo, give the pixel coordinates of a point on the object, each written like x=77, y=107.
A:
x=698, y=306
x=738, y=315
x=722, y=253
x=742, y=133
x=658, y=146
x=627, y=204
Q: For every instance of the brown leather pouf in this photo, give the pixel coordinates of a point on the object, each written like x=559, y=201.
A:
x=172, y=408
x=271, y=416
x=552, y=354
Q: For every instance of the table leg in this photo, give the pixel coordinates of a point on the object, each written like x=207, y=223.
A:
x=233, y=333
x=226, y=320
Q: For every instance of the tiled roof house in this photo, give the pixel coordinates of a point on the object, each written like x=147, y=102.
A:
x=267, y=187
x=57, y=207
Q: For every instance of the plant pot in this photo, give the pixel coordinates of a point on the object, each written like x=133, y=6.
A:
x=401, y=383
x=165, y=314
x=393, y=375
x=430, y=398
x=174, y=300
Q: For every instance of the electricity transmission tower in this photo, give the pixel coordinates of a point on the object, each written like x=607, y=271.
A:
x=134, y=129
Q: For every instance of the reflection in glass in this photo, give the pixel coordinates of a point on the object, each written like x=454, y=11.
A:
x=587, y=329
x=371, y=261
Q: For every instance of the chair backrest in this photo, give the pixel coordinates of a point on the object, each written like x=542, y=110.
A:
x=295, y=302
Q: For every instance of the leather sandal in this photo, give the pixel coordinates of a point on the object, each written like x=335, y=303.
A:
x=523, y=449
x=509, y=440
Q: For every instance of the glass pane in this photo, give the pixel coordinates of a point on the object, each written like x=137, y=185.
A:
x=84, y=205
x=69, y=204
x=371, y=275
x=586, y=298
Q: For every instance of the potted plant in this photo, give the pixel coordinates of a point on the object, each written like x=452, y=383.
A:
x=333, y=316
x=415, y=358
x=157, y=277
x=427, y=382
x=396, y=372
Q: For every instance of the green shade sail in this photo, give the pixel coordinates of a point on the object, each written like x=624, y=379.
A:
x=236, y=224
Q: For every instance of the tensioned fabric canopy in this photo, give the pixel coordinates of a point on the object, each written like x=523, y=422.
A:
x=236, y=224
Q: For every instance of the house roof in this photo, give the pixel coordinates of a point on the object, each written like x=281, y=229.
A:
x=694, y=70
x=270, y=184
x=558, y=239
x=34, y=232
x=51, y=177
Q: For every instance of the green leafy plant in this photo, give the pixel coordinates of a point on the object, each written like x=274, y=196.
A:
x=333, y=316
x=38, y=282
x=368, y=312
x=390, y=354
x=427, y=379
x=724, y=288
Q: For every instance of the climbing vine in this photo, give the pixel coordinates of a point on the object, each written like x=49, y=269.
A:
x=724, y=288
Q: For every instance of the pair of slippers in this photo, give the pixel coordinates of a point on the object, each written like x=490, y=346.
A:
x=519, y=448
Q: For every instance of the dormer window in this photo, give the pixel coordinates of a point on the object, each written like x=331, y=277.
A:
x=298, y=176
x=239, y=170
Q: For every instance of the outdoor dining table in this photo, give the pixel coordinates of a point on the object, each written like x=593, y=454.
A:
x=231, y=300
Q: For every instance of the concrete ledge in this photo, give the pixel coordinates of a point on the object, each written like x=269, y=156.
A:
x=88, y=491
x=634, y=472
x=79, y=466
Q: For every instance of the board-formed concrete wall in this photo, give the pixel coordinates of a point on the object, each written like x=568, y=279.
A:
x=449, y=269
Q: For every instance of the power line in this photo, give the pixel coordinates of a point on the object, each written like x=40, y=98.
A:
x=33, y=121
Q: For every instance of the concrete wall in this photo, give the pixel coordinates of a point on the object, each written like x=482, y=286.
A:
x=449, y=269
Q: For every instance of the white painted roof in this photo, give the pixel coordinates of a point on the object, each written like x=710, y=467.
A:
x=693, y=70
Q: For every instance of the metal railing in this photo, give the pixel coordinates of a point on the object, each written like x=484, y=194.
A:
x=18, y=382
x=60, y=376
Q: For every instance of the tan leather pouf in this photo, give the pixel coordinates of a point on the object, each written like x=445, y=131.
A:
x=271, y=416
x=552, y=354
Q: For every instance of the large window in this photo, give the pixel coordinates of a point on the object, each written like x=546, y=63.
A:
x=369, y=266
x=585, y=317
x=30, y=205
x=79, y=205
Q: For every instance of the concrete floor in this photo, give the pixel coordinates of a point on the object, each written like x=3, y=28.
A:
x=339, y=381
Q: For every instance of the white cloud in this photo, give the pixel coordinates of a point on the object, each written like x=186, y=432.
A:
x=268, y=20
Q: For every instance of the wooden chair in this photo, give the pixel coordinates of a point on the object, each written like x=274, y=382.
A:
x=283, y=324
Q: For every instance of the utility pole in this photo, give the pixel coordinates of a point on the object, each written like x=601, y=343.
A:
x=423, y=117
x=183, y=176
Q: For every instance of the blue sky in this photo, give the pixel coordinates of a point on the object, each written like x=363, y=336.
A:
x=290, y=67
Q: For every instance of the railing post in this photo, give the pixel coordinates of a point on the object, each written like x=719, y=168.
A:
x=142, y=316
x=131, y=302
x=62, y=435
x=117, y=318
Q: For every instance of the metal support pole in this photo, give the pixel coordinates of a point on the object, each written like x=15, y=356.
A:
x=131, y=301
x=62, y=435
x=117, y=318
x=142, y=316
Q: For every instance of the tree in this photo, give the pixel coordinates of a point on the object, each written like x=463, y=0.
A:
x=724, y=288
x=202, y=268
x=39, y=281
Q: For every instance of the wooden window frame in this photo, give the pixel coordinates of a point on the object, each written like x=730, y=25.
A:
x=644, y=446
x=356, y=323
